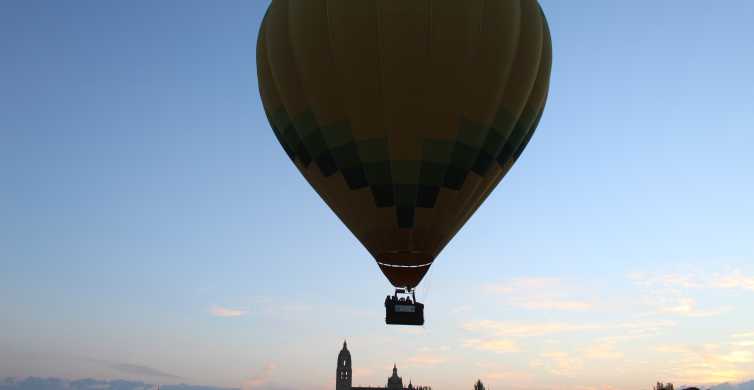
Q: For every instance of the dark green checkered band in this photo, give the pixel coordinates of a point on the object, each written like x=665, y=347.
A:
x=403, y=184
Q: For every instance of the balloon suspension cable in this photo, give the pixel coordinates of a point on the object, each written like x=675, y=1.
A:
x=406, y=290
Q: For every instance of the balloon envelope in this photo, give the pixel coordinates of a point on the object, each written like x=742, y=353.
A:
x=404, y=115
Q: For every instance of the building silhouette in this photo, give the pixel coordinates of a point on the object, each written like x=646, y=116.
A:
x=344, y=376
x=669, y=386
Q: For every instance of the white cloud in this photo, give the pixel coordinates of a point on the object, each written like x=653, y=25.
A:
x=429, y=356
x=638, y=329
x=668, y=280
x=542, y=303
x=506, y=377
x=260, y=379
x=522, y=284
x=743, y=340
x=734, y=279
x=603, y=350
x=538, y=294
x=668, y=293
x=559, y=363
x=685, y=306
x=739, y=356
x=743, y=343
x=426, y=359
x=219, y=311
x=707, y=363
x=515, y=329
x=492, y=345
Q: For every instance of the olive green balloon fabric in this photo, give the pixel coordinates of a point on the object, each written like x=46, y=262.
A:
x=404, y=114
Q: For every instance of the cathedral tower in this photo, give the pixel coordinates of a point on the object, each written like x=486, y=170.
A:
x=395, y=382
x=343, y=375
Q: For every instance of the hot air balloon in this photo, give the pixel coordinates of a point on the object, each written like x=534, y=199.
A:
x=404, y=114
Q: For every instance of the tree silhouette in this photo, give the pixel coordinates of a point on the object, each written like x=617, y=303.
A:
x=661, y=386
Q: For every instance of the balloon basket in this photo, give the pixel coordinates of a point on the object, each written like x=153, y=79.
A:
x=403, y=310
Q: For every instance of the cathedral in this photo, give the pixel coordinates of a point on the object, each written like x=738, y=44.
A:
x=344, y=378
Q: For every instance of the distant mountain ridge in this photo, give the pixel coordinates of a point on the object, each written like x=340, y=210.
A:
x=35, y=383
x=740, y=386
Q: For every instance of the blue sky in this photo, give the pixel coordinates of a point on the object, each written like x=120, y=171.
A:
x=151, y=219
